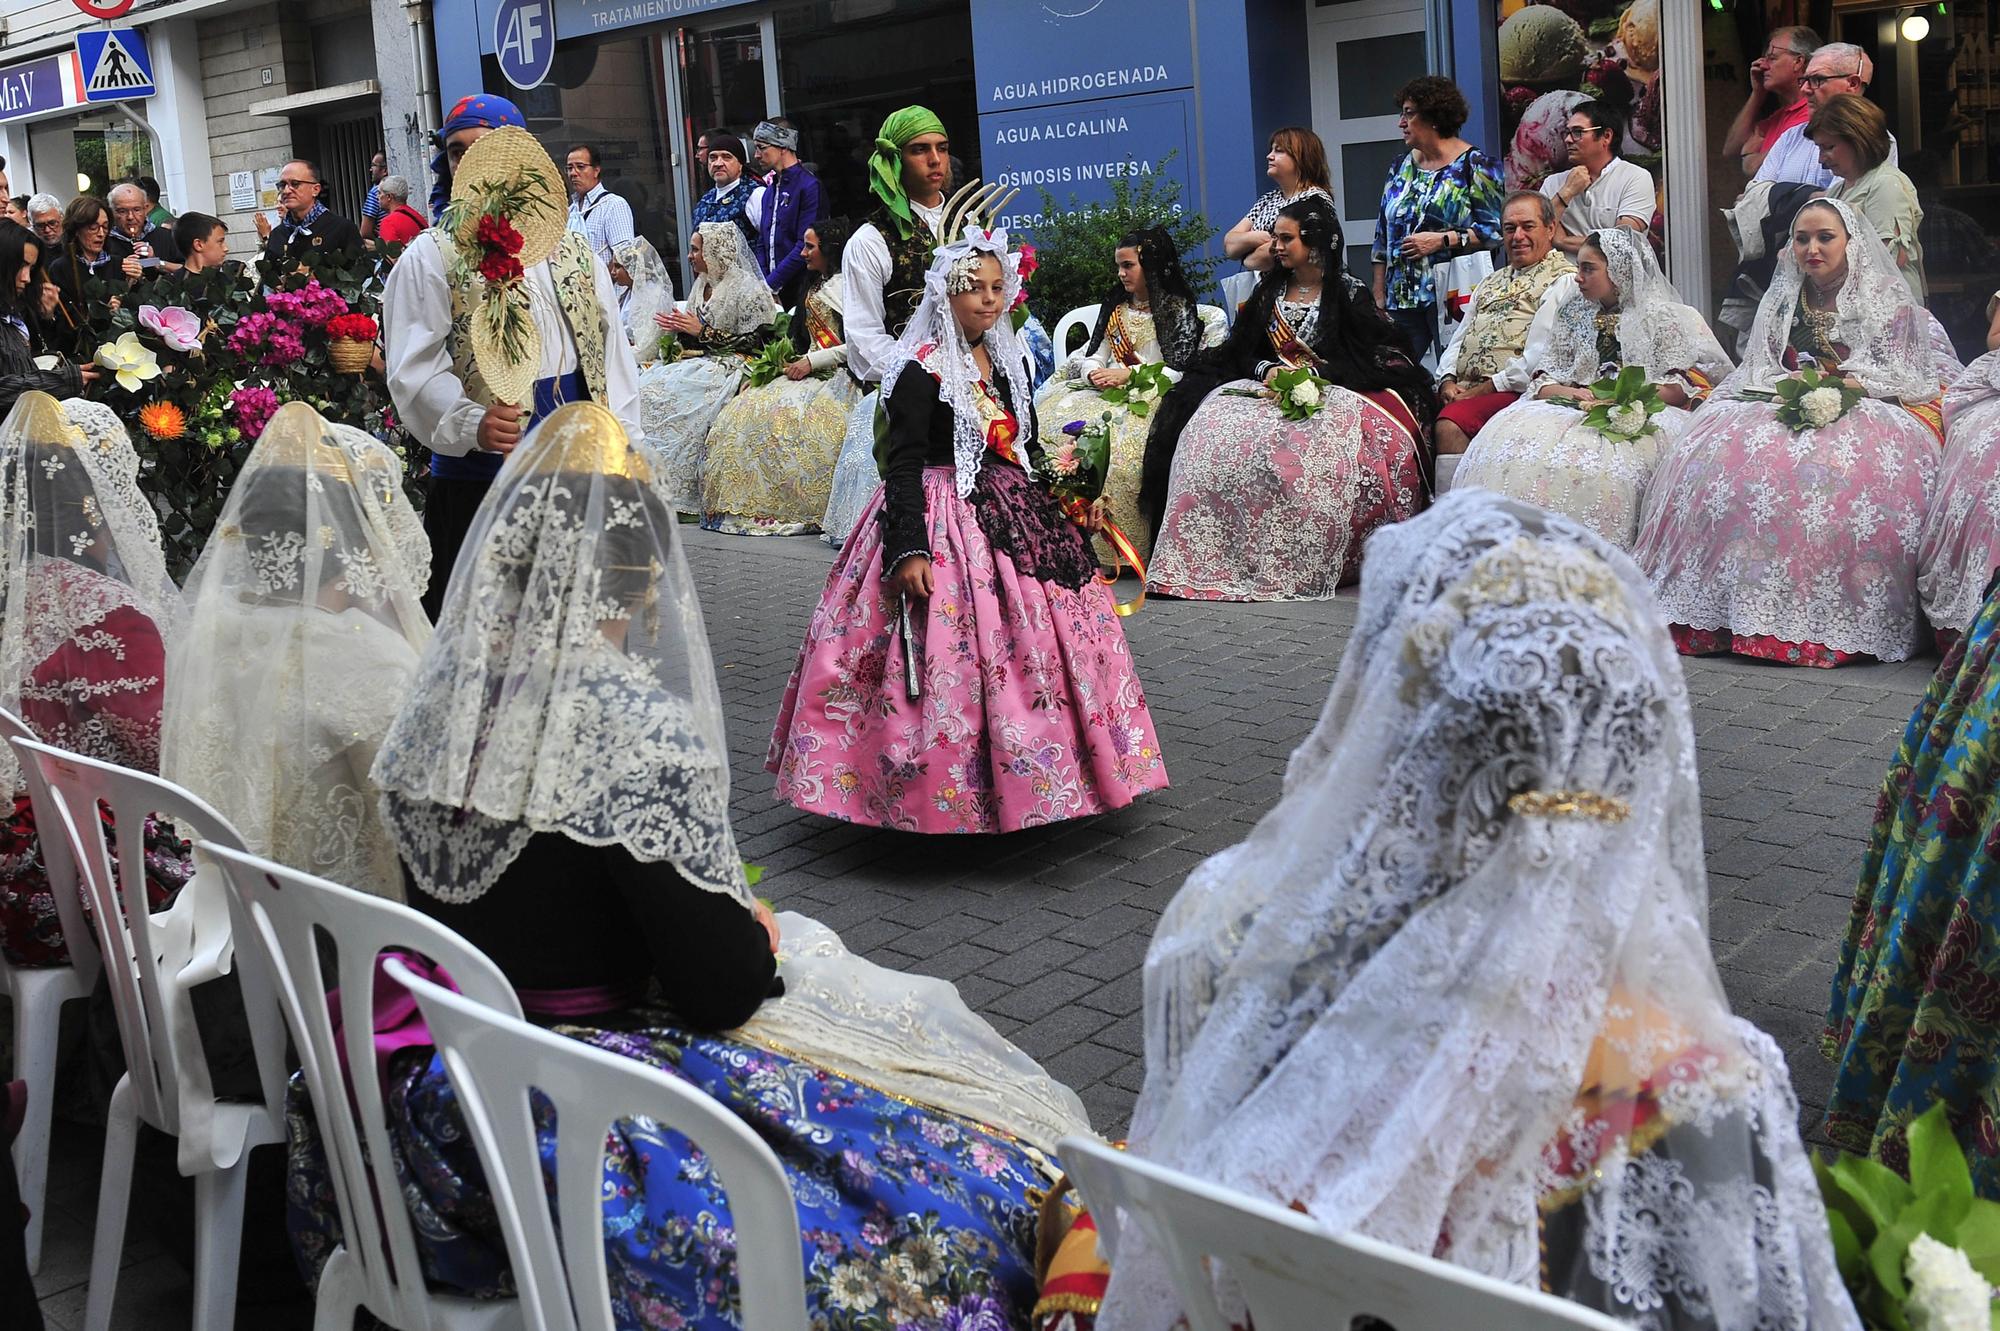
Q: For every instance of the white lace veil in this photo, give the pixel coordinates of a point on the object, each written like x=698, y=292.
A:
x=737, y=299
x=1385, y=1006
x=78, y=541
x=568, y=686
x=1656, y=329
x=934, y=326
x=652, y=291
x=304, y=630
x=1888, y=335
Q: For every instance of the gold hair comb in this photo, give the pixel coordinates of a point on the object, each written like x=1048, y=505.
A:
x=1570, y=804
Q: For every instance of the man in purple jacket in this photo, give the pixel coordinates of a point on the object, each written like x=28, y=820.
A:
x=790, y=204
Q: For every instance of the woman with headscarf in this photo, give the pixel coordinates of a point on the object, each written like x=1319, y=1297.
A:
x=772, y=450
x=885, y=262
x=1248, y=504
x=1543, y=450
x=965, y=670
x=304, y=627
x=1960, y=547
x=1455, y=993
x=557, y=783
x=719, y=327
x=1799, y=544
x=87, y=613
x=1911, y=1022
x=650, y=295
x=1149, y=317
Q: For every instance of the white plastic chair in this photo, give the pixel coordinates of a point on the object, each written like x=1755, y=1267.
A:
x=39, y=993
x=1295, y=1275
x=280, y=917
x=1237, y=288
x=165, y=1084
x=1078, y=320
x=495, y=1060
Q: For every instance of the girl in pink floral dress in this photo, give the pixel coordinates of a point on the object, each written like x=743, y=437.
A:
x=965, y=670
x=1800, y=544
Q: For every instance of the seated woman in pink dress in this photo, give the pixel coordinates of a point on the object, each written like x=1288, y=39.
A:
x=965, y=670
x=1249, y=505
x=86, y=608
x=1800, y=544
x=1961, y=542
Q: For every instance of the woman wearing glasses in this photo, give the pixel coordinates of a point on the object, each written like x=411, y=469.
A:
x=1441, y=200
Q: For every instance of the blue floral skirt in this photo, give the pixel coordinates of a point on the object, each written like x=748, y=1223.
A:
x=911, y=1219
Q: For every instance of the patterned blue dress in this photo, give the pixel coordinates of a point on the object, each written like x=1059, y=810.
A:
x=911, y=1219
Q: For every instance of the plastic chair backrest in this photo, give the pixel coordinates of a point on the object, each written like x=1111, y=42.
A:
x=279, y=914
x=496, y=1060
x=59, y=864
x=1294, y=1274
x=1079, y=320
x=121, y=917
x=1237, y=288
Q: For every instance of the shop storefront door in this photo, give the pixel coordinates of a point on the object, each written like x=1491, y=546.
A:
x=1362, y=52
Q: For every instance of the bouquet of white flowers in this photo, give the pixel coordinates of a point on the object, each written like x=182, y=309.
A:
x=1299, y=393
x=1624, y=406
x=1812, y=399
x=1148, y=384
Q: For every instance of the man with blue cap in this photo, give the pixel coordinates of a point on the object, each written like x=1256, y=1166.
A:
x=439, y=380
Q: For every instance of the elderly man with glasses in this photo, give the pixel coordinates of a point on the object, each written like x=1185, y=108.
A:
x=45, y=214
x=306, y=222
x=134, y=236
x=1777, y=99
x=1835, y=68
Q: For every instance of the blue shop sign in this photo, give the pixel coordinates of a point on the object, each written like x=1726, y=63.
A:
x=524, y=41
x=33, y=88
x=582, y=18
x=1047, y=52
x=1075, y=152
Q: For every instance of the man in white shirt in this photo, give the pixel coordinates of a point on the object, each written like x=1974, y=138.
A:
x=1835, y=68
x=440, y=396
x=598, y=215
x=887, y=255
x=1602, y=189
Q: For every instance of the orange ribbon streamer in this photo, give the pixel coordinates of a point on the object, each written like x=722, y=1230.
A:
x=1076, y=510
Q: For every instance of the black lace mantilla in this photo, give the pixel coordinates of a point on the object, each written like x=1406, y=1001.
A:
x=1022, y=519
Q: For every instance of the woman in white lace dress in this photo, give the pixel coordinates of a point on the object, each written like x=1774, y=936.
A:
x=1541, y=449
x=305, y=626
x=1961, y=541
x=723, y=322
x=1455, y=992
x=1800, y=545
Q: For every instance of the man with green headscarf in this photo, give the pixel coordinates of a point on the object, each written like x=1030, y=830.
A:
x=887, y=255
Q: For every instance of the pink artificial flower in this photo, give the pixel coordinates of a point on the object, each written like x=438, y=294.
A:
x=180, y=329
x=253, y=408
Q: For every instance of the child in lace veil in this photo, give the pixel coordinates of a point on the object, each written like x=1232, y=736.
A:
x=1455, y=991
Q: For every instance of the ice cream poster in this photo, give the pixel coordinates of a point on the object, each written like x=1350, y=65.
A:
x=1557, y=53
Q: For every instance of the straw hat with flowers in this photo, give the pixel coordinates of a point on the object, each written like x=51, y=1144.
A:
x=508, y=210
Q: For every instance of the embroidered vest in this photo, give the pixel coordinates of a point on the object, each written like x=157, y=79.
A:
x=1507, y=303
x=909, y=260
x=576, y=293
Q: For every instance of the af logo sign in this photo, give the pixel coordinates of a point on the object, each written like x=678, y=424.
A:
x=524, y=41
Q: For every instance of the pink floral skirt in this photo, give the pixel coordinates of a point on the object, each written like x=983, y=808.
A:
x=1031, y=712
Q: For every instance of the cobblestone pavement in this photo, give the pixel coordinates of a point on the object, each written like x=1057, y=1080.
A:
x=1044, y=931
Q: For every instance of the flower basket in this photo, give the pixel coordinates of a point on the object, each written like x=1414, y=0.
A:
x=349, y=355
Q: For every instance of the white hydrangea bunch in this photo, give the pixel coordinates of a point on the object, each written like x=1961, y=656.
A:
x=1820, y=407
x=1305, y=393
x=1628, y=421
x=1946, y=1294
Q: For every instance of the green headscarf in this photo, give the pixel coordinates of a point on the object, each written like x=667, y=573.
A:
x=885, y=164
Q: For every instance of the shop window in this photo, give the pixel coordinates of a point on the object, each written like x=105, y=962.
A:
x=108, y=152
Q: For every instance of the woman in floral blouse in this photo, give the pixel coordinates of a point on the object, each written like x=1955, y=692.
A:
x=1441, y=200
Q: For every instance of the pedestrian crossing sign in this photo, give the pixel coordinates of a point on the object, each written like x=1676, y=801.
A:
x=115, y=63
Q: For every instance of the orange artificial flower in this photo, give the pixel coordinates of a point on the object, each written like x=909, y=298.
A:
x=163, y=420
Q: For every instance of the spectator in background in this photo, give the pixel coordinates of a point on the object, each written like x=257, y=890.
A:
x=20, y=310
x=372, y=207
x=161, y=215
x=729, y=199
x=307, y=222
x=85, y=257
x=791, y=204
x=1602, y=190
x=400, y=223
x=203, y=242
x=1777, y=99
x=596, y=214
x=131, y=233
x=1853, y=139
x=6, y=187
x=1296, y=163
x=45, y=215
x=1836, y=68
x=17, y=209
